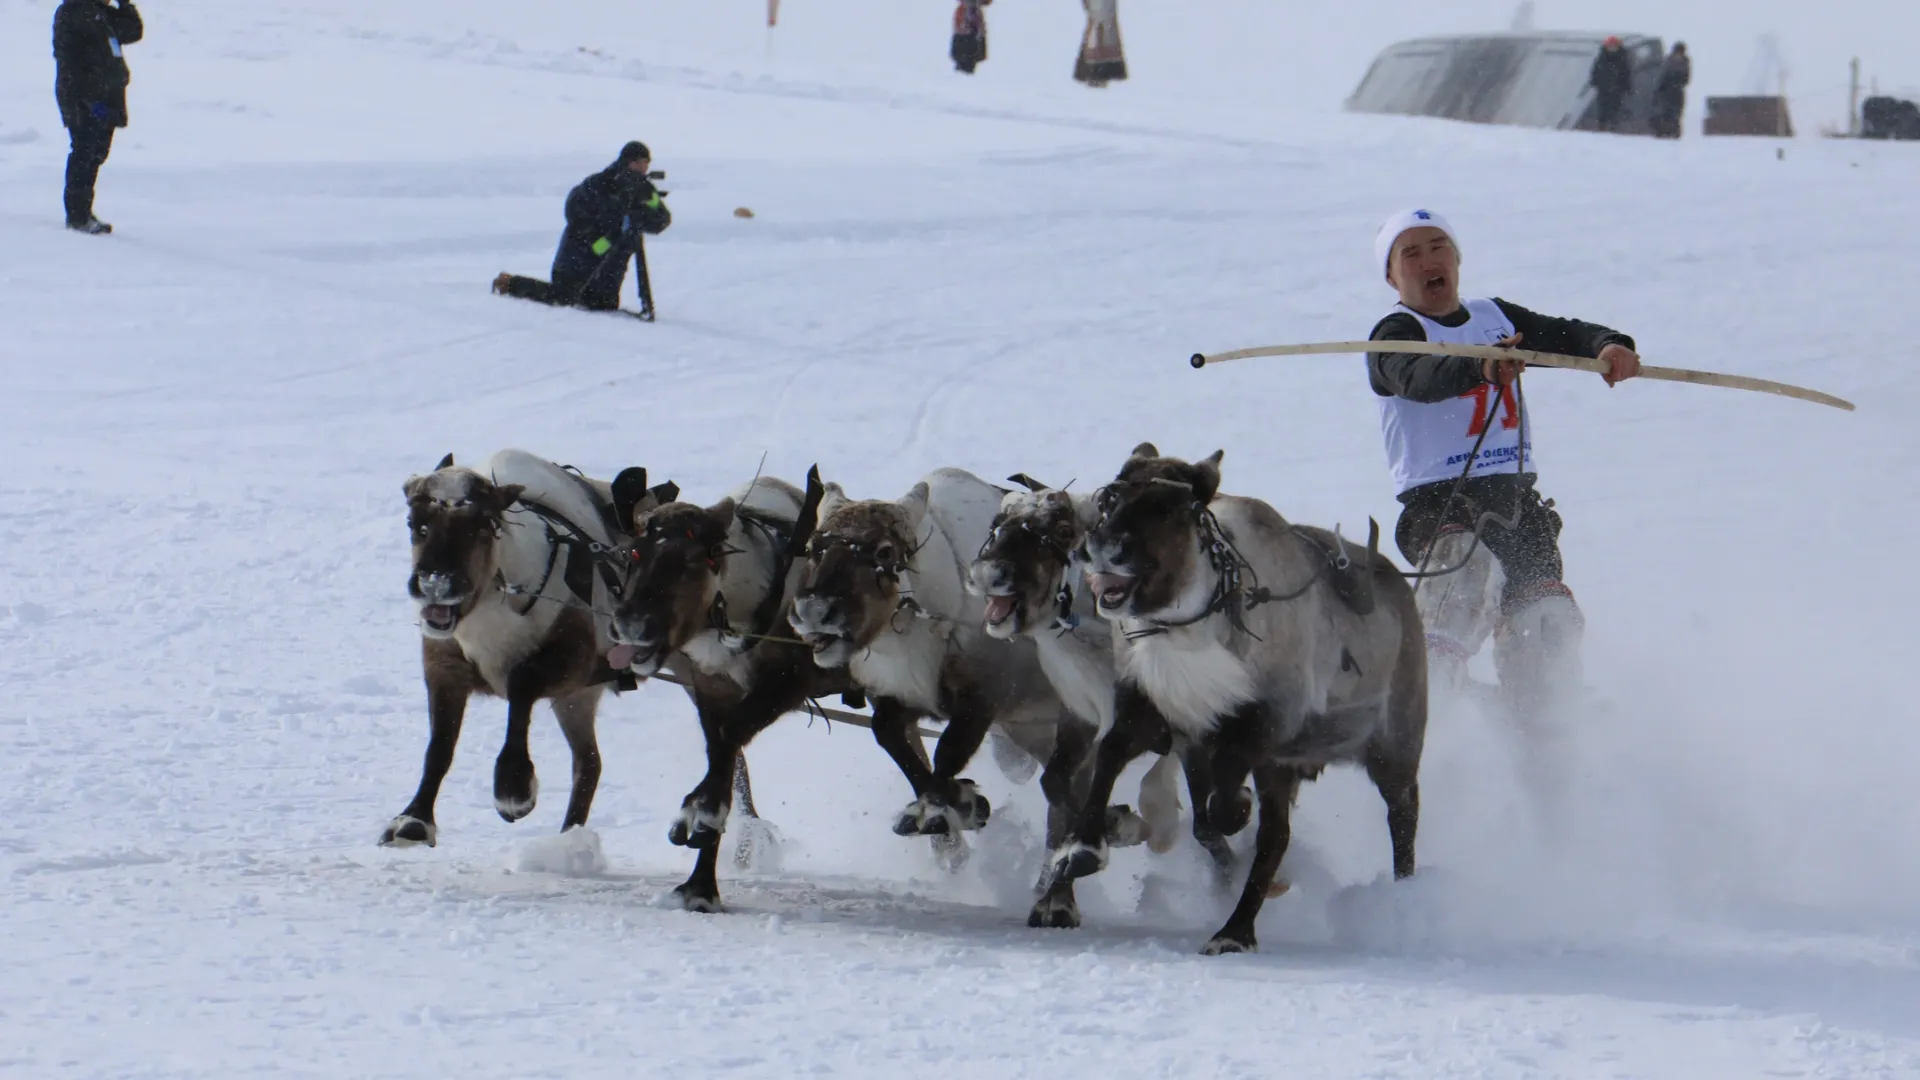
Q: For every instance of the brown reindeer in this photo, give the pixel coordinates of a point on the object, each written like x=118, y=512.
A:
x=706, y=596
x=1273, y=648
x=506, y=577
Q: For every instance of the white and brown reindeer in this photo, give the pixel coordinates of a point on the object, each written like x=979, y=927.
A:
x=883, y=596
x=508, y=579
x=1026, y=573
x=1275, y=649
x=706, y=594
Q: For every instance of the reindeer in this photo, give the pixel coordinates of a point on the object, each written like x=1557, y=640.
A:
x=882, y=595
x=705, y=588
x=506, y=573
x=1274, y=649
x=1025, y=572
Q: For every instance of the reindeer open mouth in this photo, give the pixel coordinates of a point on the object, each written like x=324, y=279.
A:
x=1112, y=590
x=1002, y=609
x=440, y=618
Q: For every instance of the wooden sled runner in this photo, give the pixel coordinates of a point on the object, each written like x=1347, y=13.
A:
x=1666, y=374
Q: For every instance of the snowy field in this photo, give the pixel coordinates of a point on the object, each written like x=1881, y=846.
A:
x=210, y=668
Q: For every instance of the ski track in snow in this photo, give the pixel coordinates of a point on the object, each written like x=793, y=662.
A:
x=211, y=669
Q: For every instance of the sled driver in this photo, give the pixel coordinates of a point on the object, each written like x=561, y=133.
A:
x=1434, y=412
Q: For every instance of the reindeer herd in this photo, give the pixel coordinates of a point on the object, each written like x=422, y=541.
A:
x=1154, y=615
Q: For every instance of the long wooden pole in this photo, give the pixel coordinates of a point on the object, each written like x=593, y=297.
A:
x=1495, y=352
x=860, y=720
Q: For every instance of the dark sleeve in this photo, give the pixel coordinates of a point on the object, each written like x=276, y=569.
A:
x=1417, y=376
x=1569, y=337
x=652, y=216
x=127, y=26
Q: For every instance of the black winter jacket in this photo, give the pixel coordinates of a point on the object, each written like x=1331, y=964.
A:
x=90, y=75
x=1418, y=377
x=1612, y=72
x=606, y=213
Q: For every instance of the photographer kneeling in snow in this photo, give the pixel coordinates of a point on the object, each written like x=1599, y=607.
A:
x=1459, y=440
x=607, y=215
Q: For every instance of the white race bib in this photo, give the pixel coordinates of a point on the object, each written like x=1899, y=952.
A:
x=1429, y=442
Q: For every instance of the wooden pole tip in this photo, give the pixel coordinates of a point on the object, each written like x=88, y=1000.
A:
x=1198, y=360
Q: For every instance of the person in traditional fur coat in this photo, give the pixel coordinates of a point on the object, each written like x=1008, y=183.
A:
x=1101, y=60
x=969, y=35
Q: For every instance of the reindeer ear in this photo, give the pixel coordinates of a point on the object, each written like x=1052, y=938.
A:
x=664, y=492
x=445, y=462
x=629, y=488
x=1206, y=481
x=831, y=500
x=722, y=515
x=412, y=488
x=914, y=502
x=505, y=497
x=1145, y=450
x=1027, y=482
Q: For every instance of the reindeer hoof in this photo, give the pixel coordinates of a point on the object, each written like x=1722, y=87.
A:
x=515, y=788
x=697, y=827
x=409, y=831
x=973, y=809
x=1230, y=813
x=692, y=899
x=1226, y=942
x=1051, y=914
x=1126, y=828
x=1076, y=860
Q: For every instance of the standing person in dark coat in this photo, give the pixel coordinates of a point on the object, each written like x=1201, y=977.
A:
x=969, y=45
x=607, y=214
x=90, y=86
x=1670, y=94
x=1611, y=79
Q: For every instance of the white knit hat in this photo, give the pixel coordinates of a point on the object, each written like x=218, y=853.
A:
x=1391, y=229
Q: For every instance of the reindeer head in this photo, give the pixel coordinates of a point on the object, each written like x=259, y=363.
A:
x=1144, y=553
x=850, y=584
x=673, y=570
x=1023, y=567
x=455, y=516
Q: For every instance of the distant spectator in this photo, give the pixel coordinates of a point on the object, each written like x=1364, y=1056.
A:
x=1670, y=94
x=969, y=35
x=90, y=86
x=1611, y=79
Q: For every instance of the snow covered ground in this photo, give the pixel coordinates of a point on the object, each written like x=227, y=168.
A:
x=210, y=667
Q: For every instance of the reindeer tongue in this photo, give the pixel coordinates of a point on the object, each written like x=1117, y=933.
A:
x=620, y=657
x=999, y=609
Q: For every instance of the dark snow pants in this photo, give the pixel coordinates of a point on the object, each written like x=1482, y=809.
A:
x=90, y=142
x=1529, y=552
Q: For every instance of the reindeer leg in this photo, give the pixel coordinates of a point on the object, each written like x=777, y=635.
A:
x=1399, y=785
x=895, y=730
x=1137, y=728
x=1277, y=786
x=1073, y=742
x=515, y=786
x=576, y=714
x=1235, y=745
x=705, y=811
x=952, y=804
x=446, y=707
x=1197, y=762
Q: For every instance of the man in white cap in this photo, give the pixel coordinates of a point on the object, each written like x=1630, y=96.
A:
x=1459, y=442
